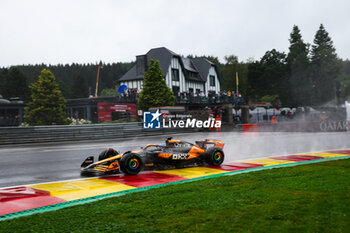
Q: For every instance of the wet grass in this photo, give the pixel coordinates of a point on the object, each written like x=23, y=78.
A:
x=307, y=198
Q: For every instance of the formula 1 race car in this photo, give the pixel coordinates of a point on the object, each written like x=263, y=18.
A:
x=175, y=153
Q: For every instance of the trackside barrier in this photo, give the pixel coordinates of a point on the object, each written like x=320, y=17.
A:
x=250, y=129
x=12, y=135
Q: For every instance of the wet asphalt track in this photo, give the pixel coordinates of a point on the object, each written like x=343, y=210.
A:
x=45, y=162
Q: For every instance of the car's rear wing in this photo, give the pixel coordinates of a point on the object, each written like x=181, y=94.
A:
x=204, y=144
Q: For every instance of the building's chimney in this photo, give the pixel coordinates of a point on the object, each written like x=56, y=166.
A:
x=141, y=64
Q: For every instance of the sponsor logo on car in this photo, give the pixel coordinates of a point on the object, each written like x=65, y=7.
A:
x=179, y=156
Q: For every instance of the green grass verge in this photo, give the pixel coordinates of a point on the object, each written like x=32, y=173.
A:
x=308, y=198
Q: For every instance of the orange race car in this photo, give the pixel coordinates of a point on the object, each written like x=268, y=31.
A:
x=175, y=153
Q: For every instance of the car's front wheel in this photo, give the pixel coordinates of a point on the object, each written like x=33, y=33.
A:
x=131, y=164
x=215, y=156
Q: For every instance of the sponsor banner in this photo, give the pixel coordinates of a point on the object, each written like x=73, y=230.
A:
x=313, y=126
x=333, y=126
x=105, y=110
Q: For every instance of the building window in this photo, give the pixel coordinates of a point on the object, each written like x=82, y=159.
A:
x=175, y=74
x=176, y=90
x=212, y=80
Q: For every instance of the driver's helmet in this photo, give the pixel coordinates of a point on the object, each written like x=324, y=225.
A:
x=167, y=144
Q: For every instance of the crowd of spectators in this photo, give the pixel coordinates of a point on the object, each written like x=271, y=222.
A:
x=132, y=95
x=212, y=97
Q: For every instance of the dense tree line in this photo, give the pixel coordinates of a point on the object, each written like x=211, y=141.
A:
x=75, y=80
x=308, y=75
x=13, y=83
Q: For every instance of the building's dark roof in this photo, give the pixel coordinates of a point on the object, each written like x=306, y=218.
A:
x=164, y=56
x=131, y=75
x=188, y=64
x=199, y=67
x=203, y=66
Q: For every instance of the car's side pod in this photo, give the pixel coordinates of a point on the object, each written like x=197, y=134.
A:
x=89, y=160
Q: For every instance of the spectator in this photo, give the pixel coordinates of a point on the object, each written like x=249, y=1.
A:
x=229, y=96
x=224, y=96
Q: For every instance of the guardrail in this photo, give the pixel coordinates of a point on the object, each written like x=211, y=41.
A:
x=12, y=135
x=295, y=126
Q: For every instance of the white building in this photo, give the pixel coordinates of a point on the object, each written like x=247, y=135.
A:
x=181, y=74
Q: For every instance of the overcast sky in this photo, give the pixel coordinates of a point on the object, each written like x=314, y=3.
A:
x=86, y=31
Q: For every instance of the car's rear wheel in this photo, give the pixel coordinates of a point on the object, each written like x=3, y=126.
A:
x=215, y=156
x=107, y=154
x=131, y=164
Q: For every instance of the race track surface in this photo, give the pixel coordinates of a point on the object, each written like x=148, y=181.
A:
x=46, y=162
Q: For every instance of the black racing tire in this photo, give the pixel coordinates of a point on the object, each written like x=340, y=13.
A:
x=131, y=163
x=107, y=154
x=215, y=156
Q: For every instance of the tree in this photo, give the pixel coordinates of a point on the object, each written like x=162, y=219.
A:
x=256, y=84
x=108, y=92
x=228, y=74
x=231, y=60
x=155, y=92
x=325, y=69
x=274, y=73
x=3, y=74
x=299, y=84
x=65, y=89
x=47, y=107
x=67, y=73
x=266, y=77
x=79, y=88
x=15, y=84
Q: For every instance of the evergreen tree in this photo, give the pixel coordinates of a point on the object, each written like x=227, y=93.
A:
x=274, y=74
x=155, y=92
x=325, y=69
x=15, y=84
x=79, y=88
x=299, y=84
x=47, y=107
